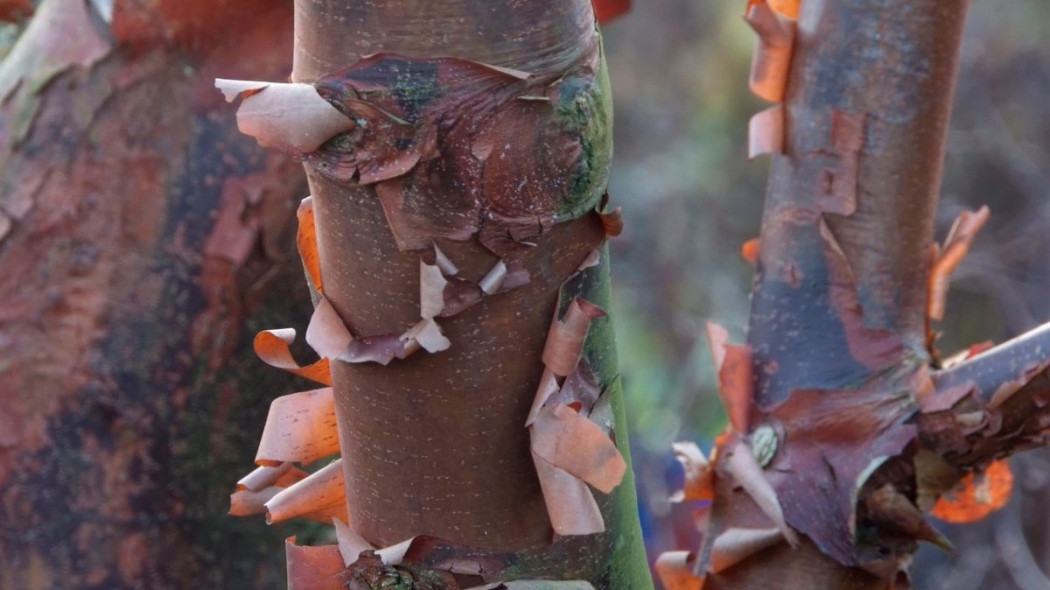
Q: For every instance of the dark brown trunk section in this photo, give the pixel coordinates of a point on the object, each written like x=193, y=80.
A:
x=130, y=394
x=437, y=444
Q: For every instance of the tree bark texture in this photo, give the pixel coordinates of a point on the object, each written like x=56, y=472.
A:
x=142, y=241
x=436, y=444
x=889, y=69
x=845, y=428
x=839, y=305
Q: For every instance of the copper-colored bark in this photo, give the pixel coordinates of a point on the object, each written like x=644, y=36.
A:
x=438, y=446
x=125, y=296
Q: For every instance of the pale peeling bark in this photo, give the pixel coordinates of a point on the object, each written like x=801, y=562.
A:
x=462, y=280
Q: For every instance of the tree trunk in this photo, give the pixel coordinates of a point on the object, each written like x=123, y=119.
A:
x=481, y=135
x=142, y=240
x=845, y=426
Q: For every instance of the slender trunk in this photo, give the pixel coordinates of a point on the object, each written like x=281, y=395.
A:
x=884, y=72
x=839, y=305
x=141, y=239
x=844, y=430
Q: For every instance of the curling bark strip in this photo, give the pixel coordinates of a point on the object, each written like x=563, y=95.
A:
x=770, y=68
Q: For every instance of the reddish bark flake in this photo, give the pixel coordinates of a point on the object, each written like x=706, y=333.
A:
x=236, y=230
x=306, y=240
x=265, y=476
x=320, y=496
x=566, y=337
x=289, y=116
x=351, y=544
x=733, y=365
x=838, y=187
x=249, y=503
x=613, y=222
x=699, y=476
x=751, y=250
x=260, y=486
x=940, y=401
x=300, y=428
x=570, y=504
x=874, y=348
x=272, y=347
x=896, y=514
x=607, y=10
x=314, y=568
x=765, y=132
x=569, y=450
x=977, y=495
x=1007, y=389
x=737, y=544
x=979, y=348
x=331, y=338
x=955, y=248
x=771, y=61
x=579, y=390
x=568, y=440
x=749, y=475
x=788, y=8
x=675, y=569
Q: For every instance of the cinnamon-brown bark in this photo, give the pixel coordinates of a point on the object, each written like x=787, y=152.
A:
x=481, y=135
x=142, y=239
x=451, y=423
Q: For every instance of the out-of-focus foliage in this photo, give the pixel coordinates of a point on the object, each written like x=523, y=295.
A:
x=691, y=199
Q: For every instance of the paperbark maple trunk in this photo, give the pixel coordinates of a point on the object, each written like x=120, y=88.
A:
x=142, y=240
x=437, y=444
x=840, y=297
x=845, y=428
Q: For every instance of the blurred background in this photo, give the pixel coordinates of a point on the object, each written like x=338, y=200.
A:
x=691, y=199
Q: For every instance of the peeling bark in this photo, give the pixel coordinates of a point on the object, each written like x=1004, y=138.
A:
x=465, y=201
x=141, y=238
x=856, y=428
